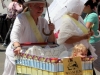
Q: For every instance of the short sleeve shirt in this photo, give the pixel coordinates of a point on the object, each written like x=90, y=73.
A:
x=93, y=18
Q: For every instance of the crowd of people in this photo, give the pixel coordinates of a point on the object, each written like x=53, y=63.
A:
x=64, y=19
x=14, y=8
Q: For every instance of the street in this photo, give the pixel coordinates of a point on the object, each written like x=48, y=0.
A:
x=2, y=59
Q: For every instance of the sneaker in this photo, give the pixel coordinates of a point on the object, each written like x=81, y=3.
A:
x=5, y=45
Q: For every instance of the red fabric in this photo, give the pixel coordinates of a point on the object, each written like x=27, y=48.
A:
x=30, y=44
x=56, y=34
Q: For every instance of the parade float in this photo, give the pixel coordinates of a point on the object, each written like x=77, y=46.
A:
x=47, y=60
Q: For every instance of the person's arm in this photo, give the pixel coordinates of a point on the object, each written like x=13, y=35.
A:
x=91, y=19
x=89, y=25
x=51, y=38
x=75, y=39
x=17, y=47
x=16, y=33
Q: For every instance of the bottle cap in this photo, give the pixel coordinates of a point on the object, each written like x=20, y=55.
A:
x=53, y=60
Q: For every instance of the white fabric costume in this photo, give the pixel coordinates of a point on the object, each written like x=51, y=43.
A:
x=22, y=33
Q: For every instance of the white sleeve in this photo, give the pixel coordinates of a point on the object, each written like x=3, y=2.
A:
x=17, y=30
x=66, y=31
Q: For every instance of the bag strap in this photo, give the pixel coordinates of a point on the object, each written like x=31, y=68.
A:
x=34, y=27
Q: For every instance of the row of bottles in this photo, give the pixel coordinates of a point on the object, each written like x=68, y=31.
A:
x=48, y=64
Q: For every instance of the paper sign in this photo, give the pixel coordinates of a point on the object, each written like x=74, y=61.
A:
x=72, y=66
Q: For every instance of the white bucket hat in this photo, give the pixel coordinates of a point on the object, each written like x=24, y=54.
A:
x=36, y=1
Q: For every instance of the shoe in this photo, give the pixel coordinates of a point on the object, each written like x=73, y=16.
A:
x=5, y=45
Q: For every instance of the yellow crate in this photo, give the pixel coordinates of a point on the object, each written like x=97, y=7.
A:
x=60, y=73
x=22, y=74
x=34, y=71
x=19, y=68
x=52, y=73
x=45, y=73
x=24, y=69
x=87, y=72
x=28, y=70
x=40, y=72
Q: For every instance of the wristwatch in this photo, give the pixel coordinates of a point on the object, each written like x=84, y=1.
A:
x=14, y=47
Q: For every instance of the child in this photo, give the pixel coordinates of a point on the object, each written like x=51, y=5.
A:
x=79, y=50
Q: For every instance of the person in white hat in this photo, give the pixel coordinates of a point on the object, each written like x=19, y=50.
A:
x=28, y=27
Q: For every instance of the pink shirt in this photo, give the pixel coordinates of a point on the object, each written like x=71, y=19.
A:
x=14, y=7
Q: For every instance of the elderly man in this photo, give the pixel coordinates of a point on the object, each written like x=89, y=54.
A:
x=28, y=27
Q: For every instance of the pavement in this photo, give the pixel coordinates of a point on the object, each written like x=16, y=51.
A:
x=2, y=48
x=2, y=58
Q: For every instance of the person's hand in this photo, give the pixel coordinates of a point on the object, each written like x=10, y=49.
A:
x=51, y=27
x=88, y=35
x=91, y=32
x=17, y=50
